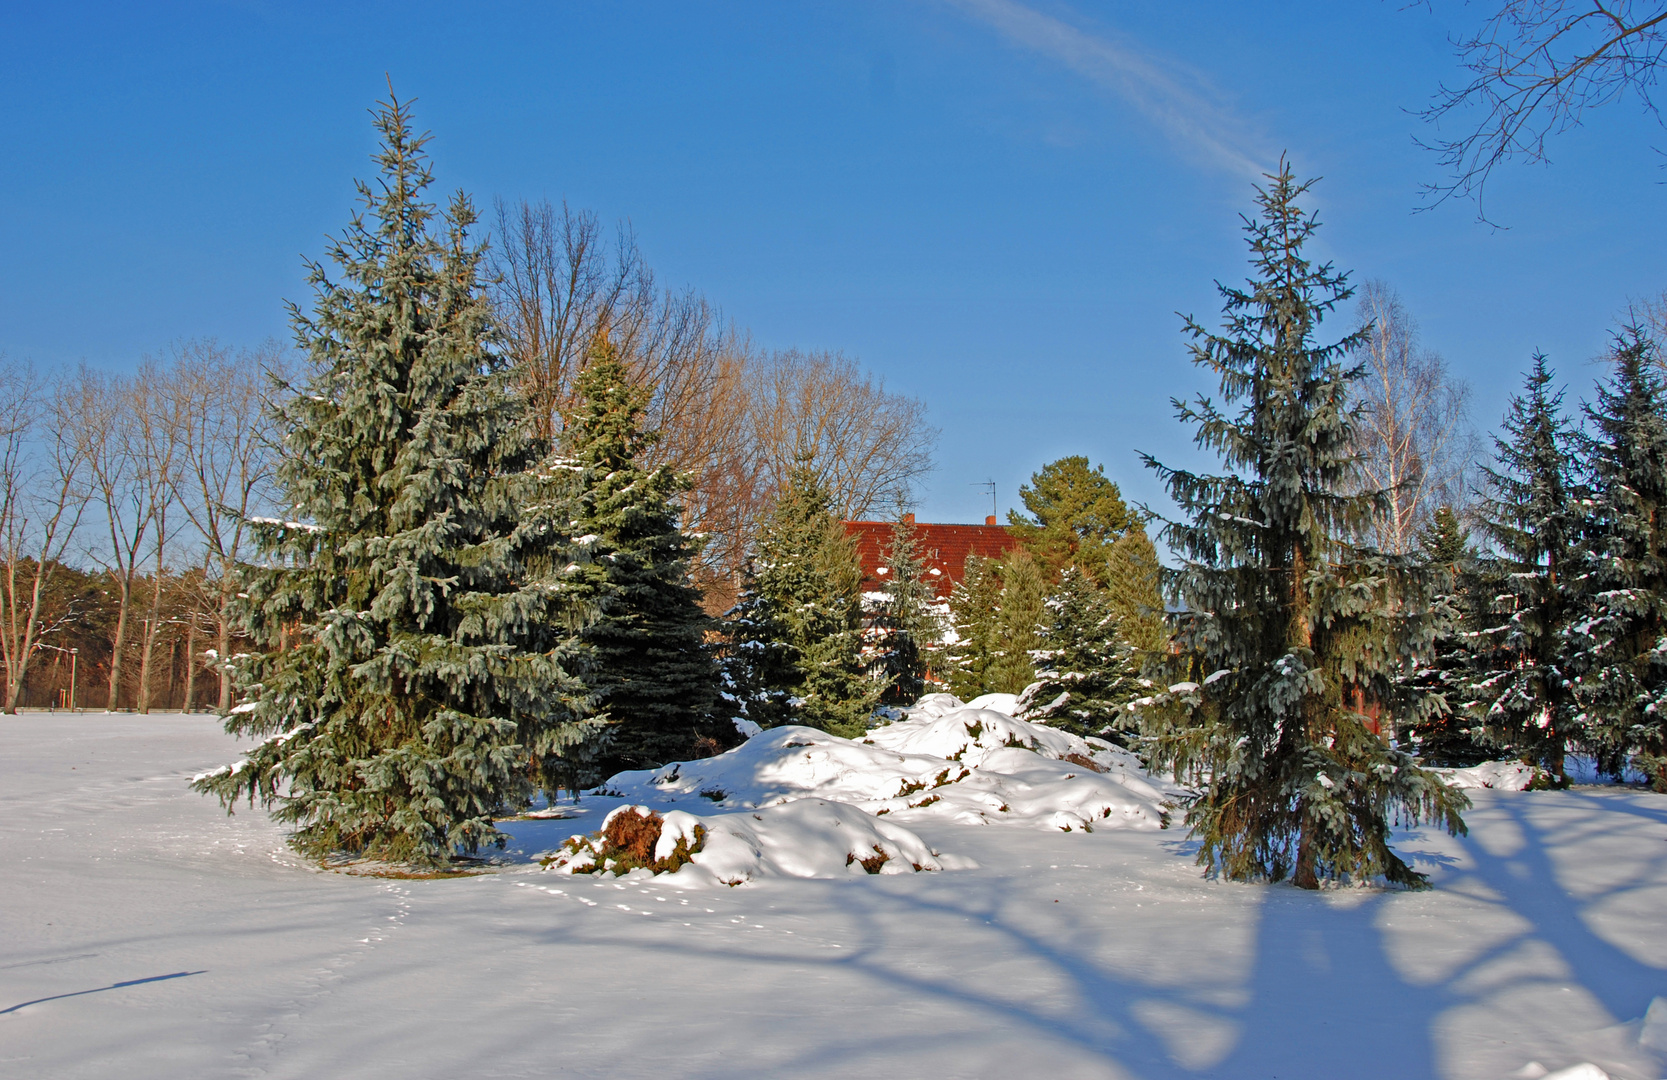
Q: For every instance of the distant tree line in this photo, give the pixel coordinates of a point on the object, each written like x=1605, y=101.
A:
x=124, y=518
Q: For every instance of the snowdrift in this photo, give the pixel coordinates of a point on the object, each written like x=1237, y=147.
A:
x=975, y=766
x=795, y=801
x=1498, y=775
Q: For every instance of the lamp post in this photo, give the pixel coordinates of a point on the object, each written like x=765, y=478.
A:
x=73, y=655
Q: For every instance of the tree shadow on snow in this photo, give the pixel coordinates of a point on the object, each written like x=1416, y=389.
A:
x=1322, y=995
x=1320, y=990
x=1529, y=883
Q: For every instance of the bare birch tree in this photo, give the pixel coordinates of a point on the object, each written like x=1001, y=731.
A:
x=154, y=405
x=41, y=500
x=1415, y=440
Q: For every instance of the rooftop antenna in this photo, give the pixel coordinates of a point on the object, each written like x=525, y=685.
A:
x=991, y=484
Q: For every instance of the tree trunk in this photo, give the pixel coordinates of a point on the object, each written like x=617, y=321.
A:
x=1305, y=877
x=149, y=647
x=124, y=601
x=224, y=644
x=153, y=623
x=190, y=663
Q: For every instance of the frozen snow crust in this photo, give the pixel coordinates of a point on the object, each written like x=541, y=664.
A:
x=798, y=802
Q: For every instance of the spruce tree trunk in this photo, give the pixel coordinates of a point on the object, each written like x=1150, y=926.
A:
x=1300, y=635
x=223, y=646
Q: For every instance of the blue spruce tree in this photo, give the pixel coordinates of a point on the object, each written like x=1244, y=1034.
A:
x=904, y=625
x=1451, y=736
x=419, y=632
x=795, y=644
x=1086, y=672
x=974, y=619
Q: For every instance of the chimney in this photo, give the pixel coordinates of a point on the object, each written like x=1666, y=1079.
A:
x=989, y=519
x=908, y=519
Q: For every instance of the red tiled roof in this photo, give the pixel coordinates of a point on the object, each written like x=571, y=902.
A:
x=943, y=548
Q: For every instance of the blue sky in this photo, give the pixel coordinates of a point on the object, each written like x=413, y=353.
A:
x=998, y=206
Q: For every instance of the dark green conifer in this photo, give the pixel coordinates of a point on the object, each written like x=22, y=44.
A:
x=904, y=625
x=419, y=633
x=1531, y=516
x=1444, y=540
x=1449, y=736
x=756, y=664
x=653, y=671
x=1076, y=515
x=1133, y=584
x=1618, y=645
x=974, y=603
x=1287, y=623
x=1086, y=673
x=807, y=607
x=1021, y=614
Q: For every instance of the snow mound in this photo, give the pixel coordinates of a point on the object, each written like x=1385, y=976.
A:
x=970, y=734
x=807, y=838
x=974, y=766
x=1002, y=703
x=934, y=705
x=1499, y=775
x=1584, y=1071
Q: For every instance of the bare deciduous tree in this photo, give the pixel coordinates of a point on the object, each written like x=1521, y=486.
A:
x=731, y=421
x=1651, y=316
x=100, y=415
x=867, y=445
x=228, y=451
x=1536, y=67
x=154, y=425
x=560, y=282
x=1415, y=439
x=41, y=500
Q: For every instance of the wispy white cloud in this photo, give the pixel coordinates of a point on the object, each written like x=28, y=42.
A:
x=1190, y=118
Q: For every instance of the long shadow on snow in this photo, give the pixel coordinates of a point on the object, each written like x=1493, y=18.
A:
x=1101, y=1024
x=1321, y=988
x=1528, y=883
x=1323, y=995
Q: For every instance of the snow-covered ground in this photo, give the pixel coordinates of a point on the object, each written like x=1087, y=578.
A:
x=144, y=934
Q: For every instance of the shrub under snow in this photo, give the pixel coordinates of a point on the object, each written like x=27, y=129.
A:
x=805, y=838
